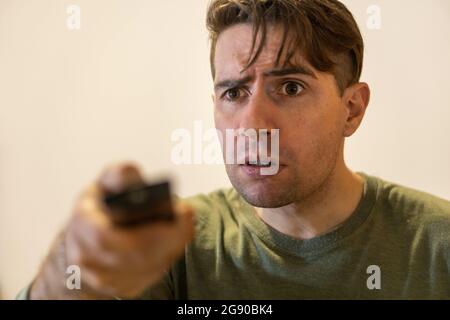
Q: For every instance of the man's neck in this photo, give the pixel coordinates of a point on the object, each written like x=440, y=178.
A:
x=323, y=211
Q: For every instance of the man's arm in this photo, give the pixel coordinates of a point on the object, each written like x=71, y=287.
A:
x=114, y=261
x=50, y=283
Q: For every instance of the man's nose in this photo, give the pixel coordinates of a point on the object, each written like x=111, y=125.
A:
x=259, y=112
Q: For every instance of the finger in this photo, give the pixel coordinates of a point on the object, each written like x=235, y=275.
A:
x=118, y=177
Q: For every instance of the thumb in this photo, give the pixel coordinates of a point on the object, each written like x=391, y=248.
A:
x=118, y=177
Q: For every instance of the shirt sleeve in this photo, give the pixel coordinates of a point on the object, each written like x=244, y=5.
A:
x=24, y=294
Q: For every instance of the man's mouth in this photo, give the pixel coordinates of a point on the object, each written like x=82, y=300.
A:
x=260, y=169
x=257, y=161
x=262, y=164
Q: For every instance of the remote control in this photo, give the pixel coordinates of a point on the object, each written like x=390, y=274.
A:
x=140, y=204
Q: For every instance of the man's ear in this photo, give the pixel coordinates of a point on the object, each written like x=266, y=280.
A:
x=356, y=99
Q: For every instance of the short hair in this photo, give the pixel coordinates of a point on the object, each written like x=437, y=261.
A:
x=324, y=31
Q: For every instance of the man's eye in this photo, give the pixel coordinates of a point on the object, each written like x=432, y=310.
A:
x=232, y=94
x=292, y=88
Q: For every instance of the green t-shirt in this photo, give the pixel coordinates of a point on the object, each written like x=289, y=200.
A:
x=396, y=245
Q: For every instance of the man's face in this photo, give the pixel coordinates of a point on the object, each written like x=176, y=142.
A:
x=304, y=104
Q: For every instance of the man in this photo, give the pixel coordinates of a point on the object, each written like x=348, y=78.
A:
x=315, y=229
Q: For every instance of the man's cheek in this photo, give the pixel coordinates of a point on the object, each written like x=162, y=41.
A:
x=304, y=147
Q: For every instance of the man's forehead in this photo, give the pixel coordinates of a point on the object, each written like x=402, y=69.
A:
x=233, y=50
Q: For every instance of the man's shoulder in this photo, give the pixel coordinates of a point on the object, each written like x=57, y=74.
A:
x=214, y=206
x=407, y=199
x=414, y=208
x=215, y=215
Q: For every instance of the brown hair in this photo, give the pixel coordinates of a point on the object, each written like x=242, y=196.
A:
x=324, y=30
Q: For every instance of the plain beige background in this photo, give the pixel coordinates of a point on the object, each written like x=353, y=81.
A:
x=73, y=101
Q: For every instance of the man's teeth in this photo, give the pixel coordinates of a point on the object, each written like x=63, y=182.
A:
x=260, y=163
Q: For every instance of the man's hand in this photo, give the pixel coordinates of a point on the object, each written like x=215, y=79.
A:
x=114, y=261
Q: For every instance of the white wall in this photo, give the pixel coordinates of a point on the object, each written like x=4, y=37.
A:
x=73, y=101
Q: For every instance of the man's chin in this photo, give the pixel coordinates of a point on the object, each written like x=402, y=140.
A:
x=263, y=199
x=261, y=191
x=262, y=194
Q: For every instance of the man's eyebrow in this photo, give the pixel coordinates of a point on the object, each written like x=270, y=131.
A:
x=232, y=83
x=235, y=83
x=291, y=70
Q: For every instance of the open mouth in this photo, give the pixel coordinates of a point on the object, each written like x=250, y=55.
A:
x=261, y=169
x=262, y=164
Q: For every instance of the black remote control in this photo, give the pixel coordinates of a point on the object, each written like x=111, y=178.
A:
x=140, y=204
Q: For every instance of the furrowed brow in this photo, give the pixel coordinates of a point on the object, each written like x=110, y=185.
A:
x=290, y=71
x=232, y=83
